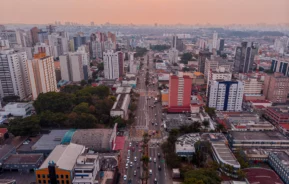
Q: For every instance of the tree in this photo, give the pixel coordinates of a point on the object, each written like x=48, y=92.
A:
x=132, y=107
x=210, y=111
x=186, y=69
x=145, y=159
x=54, y=102
x=159, y=47
x=100, y=66
x=70, y=88
x=82, y=120
x=206, y=123
x=81, y=108
x=186, y=57
x=83, y=82
x=220, y=128
x=207, y=176
x=24, y=127
x=51, y=119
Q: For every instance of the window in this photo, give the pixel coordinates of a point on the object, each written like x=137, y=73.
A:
x=66, y=176
x=43, y=175
x=44, y=181
x=39, y=181
x=62, y=181
x=38, y=175
x=67, y=182
x=62, y=176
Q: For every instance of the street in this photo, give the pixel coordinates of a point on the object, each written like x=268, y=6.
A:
x=148, y=120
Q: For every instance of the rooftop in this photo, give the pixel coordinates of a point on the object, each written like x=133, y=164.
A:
x=259, y=136
x=64, y=156
x=23, y=159
x=95, y=139
x=49, y=141
x=262, y=176
x=4, y=149
x=124, y=90
x=283, y=156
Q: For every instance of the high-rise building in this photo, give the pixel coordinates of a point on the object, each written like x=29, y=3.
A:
x=113, y=64
x=220, y=73
x=225, y=95
x=253, y=83
x=41, y=75
x=281, y=44
x=177, y=43
x=174, y=43
x=276, y=87
x=211, y=64
x=244, y=57
x=43, y=48
x=180, y=88
x=75, y=66
x=43, y=37
x=12, y=36
x=173, y=55
x=78, y=41
x=221, y=45
x=203, y=55
x=112, y=38
x=59, y=44
x=280, y=65
x=51, y=29
x=13, y=74
x=215, y=40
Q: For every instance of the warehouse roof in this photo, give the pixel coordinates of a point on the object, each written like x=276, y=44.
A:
x=64, y=156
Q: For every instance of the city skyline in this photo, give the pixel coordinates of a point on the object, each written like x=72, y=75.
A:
x=220, y=12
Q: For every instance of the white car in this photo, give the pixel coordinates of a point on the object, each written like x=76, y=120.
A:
x=155, y=160
x=126, y=166
x=135, y=159
x=151, y=172
x=130, y=164
x=124, y=177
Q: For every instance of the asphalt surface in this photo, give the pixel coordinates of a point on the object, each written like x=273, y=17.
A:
x=148, y=119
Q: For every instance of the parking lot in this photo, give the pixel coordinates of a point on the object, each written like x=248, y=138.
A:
x=21, y=178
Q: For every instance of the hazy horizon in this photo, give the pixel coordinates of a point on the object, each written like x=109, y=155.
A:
x=216, y=12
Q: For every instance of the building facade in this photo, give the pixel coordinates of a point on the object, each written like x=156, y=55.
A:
x=276, y=87
x=180, y=87
x=226, y=95
x=41, y=75
x=280, y=65
x=13, y=74
x=203, y=55
x=244, y=57
x=113, y=64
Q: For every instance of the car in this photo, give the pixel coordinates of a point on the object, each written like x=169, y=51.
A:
x=155, y=114
x=156, y=181
x=135, y=159
x=159, y=168
x=128, y=156
x=126, y=166
x=124, y=177
x=150, y=159
x=151, y=172
x=159, y=155
x=130, y=164
x=134, y=173
x=155, y=160
x=156, y=124
x=153, y=123
x=140, y=150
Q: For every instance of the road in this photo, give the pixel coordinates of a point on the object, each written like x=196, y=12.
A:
x=148, y=119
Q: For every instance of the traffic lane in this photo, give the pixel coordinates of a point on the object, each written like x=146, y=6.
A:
x=135, y=164
x=154, y=166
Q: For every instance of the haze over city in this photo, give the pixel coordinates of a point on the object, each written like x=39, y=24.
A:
x=220, y=12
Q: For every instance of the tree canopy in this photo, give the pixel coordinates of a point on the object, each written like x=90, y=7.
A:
x=202, y=176
x=159, y=47
x=186, y=57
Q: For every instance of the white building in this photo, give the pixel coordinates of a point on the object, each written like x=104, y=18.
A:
x=86, y=169
x=17, y=109
x=226, y=95
x=173, y=55
x=253, y=85
x=120, y=107
x=43, y=48
x=58, y=43
x=214, y=63
x=13, y=74
x=220, y=73
x=215, y=40
x=281, y=44
x=42, y=75
x=113, y=64
x=185, y=145
x=75, y=66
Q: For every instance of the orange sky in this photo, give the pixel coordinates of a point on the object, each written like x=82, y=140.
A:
x=145, y=11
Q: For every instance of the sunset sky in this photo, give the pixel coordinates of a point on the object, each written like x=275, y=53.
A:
x=145, y=11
